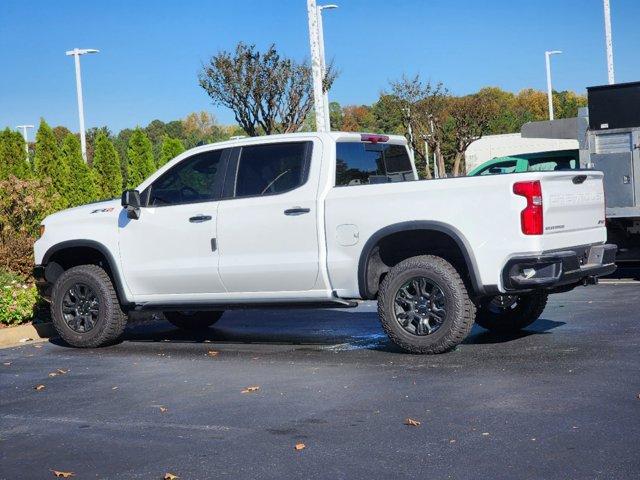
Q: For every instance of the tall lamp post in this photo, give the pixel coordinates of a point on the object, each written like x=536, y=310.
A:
x=325, y=95
x=547, y=57
x=25, y=136
x=76, y=52
x=608, y=42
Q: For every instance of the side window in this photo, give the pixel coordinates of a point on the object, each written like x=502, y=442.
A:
x=195, y=179
x=498, y=168
x=360, y=163
x=271, y=169
x=545, y=165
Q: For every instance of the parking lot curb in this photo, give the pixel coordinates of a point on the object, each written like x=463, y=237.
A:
x=23, y=334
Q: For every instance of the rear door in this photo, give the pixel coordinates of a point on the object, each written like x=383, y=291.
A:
x=268, y=224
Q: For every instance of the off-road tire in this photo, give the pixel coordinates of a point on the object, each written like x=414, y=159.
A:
x=526, y=311
x=111, y=319
x=193, y=321
x=460, y=311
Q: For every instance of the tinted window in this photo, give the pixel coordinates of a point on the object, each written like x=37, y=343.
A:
x=271, y=169
x=547, y=164
x=360, y=163
x=196, y=179
x=498, y=168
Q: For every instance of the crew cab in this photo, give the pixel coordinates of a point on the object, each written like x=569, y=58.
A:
x=324, y=220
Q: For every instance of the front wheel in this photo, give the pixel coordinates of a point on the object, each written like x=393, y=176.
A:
x=511, y=313
x=424, y=306
x=85, y=308
x=193, y=321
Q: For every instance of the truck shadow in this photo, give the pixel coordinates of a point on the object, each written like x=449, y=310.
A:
x=333, y=330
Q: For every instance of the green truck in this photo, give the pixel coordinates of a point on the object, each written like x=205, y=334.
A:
x=529, y=162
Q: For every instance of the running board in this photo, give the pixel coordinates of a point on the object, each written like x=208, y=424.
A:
x=206, y=306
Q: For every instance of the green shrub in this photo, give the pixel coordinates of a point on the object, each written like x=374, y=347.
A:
x=170, y=149
x=82, y=183
x=23, y=205
x=49, y=162
x=140, y=162
x=12, y=155
x=18, y=300
x=106, y=165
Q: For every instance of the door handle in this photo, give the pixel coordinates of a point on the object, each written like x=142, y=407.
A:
x=296, y=211
x=200, y=218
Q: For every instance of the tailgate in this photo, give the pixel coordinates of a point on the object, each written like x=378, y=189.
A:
x=572, y=201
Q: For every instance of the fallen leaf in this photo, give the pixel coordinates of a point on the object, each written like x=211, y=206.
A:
x=63, y=474
x=300, y=446
x=39, y=387
x=170, y=476
x=61, y=371
x=254, y=388
x=411, y=422
x=37, y=346
x=163, y=409
x=7, y=363
x=485, y=434
x=25, y=340
x=212, y=353
x=53, y=374
x=114, y=388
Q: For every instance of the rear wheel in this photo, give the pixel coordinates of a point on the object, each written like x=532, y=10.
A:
x=85, y=308
x=193, y=321
x=511, y=313
x=424, y=306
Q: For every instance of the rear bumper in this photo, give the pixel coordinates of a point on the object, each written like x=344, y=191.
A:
x=560, y=270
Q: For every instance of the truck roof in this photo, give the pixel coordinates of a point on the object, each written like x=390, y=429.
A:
x=333, y=136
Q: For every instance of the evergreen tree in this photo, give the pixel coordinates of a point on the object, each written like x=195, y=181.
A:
x=48, y=161
x=13, y=157
x=106, y=165
x=82, y=186
x=140, y=162
x=170, y=149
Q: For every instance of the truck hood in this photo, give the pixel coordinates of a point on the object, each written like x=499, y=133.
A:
x=85, y=212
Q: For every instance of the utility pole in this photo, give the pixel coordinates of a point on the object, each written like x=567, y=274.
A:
x=317, y=67
x=547, y=58
x=325, y=95
x=25, y=136
x=76, y=52
x=608, y=41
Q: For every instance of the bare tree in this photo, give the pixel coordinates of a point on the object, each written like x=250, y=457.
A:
x=423, y=105
x=469, y=119
x=267, y=93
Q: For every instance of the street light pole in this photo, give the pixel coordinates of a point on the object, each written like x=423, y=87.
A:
x=76, y=52
x=608, y=42
x=547, y=57
x=316, y=66
x=26, y=139
x=325, y=95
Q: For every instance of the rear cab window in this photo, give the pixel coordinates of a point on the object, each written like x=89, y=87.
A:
x=500, y=168
x=366, y=163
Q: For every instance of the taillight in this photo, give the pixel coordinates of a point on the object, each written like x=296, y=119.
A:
x=369, y=137
x=531, y=218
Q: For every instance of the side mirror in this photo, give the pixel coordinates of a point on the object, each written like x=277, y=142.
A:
x=131, y=201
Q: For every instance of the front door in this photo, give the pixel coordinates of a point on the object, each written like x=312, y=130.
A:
x=171, y=248
x=268, y=228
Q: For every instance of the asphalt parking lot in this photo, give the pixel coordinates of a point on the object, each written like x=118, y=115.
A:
x=558, y=401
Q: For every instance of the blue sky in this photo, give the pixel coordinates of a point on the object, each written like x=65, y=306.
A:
x=151, y=51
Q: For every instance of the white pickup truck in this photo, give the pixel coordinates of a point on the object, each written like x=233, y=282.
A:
x=324, y=220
